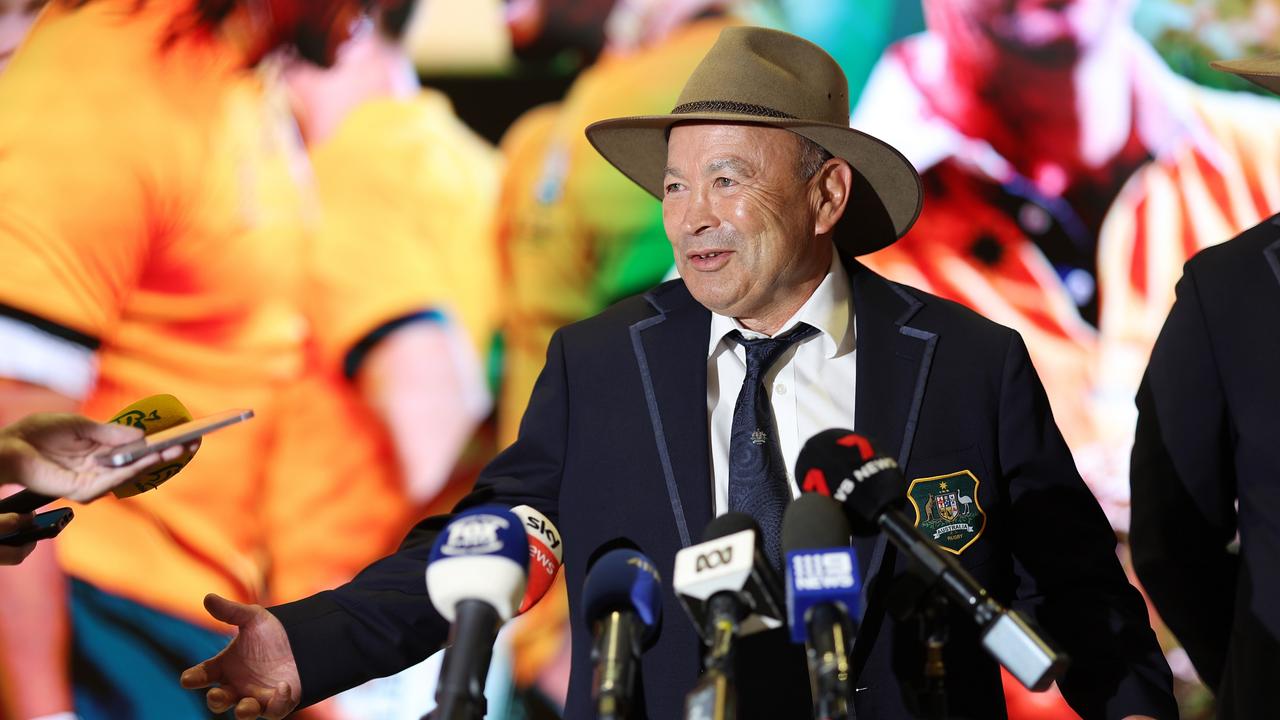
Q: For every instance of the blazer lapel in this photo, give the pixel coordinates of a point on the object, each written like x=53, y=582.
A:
x=671, y=351
x=893, y=366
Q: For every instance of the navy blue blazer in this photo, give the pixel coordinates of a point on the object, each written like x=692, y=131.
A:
x=614, y=444
x=1207, y=437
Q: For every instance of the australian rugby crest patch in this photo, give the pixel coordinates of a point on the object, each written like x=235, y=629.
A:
x=947, y=509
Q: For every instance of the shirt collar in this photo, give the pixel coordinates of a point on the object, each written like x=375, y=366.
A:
x=829, y=309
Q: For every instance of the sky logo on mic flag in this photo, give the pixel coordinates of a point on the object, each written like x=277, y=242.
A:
x=815, y=577
x=545, y=553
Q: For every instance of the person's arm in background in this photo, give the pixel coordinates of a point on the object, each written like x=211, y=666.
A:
x=423, y=379
x=1070, y=579
x=1184, y=489
x=34, y=630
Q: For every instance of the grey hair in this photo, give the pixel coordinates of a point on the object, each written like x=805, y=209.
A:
x=811, y=158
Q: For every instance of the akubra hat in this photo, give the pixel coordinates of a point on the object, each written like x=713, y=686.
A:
x=1264, y=70
x=767, y=77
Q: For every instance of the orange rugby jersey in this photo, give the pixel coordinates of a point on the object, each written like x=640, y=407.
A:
x=151, y=209
x=407, y=196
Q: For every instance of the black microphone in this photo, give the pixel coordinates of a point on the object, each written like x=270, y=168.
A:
x=729, y=590
x=841, y=464
x=622, y=600
x=824, y=598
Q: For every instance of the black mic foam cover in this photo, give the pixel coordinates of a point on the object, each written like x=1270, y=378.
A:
x=814, y=522
x=840, y=464
x=728, y=524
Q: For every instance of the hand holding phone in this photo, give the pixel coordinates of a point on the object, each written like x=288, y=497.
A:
x=43, y=526
x=180, y=434
x=69, y=456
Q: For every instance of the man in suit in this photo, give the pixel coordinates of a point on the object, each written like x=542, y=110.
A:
x=767, y=197
x=1206, y=464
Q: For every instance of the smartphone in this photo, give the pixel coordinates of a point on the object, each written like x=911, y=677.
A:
x=176, y=435
x=46, y=525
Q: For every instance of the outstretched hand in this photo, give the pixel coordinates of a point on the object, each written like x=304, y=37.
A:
x=54, y=454
x=256, y=673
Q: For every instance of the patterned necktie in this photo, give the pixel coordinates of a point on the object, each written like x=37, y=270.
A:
x=758, y=484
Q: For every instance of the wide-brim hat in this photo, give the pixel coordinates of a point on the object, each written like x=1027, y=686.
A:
x=767, y=77
x=1263, y=70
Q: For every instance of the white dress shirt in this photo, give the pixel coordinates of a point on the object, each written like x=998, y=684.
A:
x=811, y=387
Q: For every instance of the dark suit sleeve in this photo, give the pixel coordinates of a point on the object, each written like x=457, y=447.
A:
x=1184, y=487
x=1069, y=578
x=383, y=621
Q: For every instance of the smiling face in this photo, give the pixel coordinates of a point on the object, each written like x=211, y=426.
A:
x=750, y=235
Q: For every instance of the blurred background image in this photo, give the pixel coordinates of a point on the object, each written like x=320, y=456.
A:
x=365, y=218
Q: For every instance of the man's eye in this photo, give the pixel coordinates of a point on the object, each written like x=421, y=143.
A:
x=723, y=182
x=672, y=187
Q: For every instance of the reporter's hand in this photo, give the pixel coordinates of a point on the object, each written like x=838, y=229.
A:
x=13, y=522
x=256, y=673
x=53, y=454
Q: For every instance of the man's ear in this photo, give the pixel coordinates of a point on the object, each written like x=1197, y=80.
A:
x=830, y=189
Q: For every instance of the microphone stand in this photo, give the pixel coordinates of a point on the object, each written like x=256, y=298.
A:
x=933, y=635
x=460, y=690
x=617, y=672
x=912, y=596
x=714, y=698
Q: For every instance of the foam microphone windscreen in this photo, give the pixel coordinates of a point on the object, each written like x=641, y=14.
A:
x=546, y=550
x=814, y=522
x=482, y=554
x=152, y=414
x=624, y=580
x=842, y=465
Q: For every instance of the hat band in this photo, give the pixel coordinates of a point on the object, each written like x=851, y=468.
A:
x=730, y=106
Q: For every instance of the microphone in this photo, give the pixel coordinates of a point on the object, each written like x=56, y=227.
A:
x=622, y=597
x=476, y=577
x=729, y=590
x=546, y=552
x=151, y=414
x=824, y=598
x=842, y=465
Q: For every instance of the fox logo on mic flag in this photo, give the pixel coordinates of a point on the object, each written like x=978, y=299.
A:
x=481, y=554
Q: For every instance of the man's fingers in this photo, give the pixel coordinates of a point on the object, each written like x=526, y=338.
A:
x=281, y=703
x=110, y=434
x=218, y=700
x=202, y=675
x=13, y=522
x=70, y=431
x=229, y=611
x=248, y=709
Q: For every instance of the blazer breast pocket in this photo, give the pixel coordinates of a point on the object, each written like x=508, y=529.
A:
x=950, y=498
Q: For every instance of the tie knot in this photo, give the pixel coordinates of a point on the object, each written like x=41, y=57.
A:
x=762, y=353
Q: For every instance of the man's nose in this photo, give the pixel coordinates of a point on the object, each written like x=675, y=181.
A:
x=699, y=214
